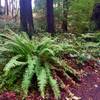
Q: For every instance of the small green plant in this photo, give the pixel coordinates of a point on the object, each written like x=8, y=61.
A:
x=92, y=43
x=36, y=57
x=88, y=46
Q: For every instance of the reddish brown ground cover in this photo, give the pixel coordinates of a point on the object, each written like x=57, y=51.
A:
x=87, y=89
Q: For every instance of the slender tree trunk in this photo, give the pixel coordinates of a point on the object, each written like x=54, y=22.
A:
x=23, y=21
x=26, y=18
x=16, y=10
x=65, y=13
x=50, y=16
x=30, y=16
x=0, y=3
x=96, y=16
x=6, y=7
x=12, y=8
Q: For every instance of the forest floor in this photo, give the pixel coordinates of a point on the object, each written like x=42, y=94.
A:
x=89, y=86
x=87, y=89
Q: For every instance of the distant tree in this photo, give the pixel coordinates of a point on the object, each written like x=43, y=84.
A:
x=65, y=14
x=96, y=16
x=6, y=7
x=0, y=3
x=13, y=1
x=2, y=10
x=39, y=4
x=39, y=10
x=26, y=18
x=50, y=16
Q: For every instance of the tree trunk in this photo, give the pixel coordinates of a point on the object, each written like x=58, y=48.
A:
x=50, y=16
x=0, y=3
x=65, y=13
x=26, y=19
x=12, y=8
x=6, y=8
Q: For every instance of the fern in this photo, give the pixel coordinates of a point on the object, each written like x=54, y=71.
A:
x=29, y=72
x=36, y=57
x=13, y=63
x=52, y=82
x=42, y=81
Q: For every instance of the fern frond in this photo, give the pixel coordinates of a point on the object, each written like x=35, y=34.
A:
x=4, y=49
x=29, y=72
x=52, y=82
x=13, y=63
x=24, y=44
x=42, y=81
x=55, y=87
x=6, y=37
x=45, y=42
x=16, y=48
x=47, y=52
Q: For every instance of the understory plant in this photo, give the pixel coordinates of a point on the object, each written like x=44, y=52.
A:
x=79, y=16
x=86, y=47
x=37, y=58
x=92, y=43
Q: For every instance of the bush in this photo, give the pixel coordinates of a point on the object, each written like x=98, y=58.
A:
x=34, y=58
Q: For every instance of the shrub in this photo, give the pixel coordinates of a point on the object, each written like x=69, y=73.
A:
x=30, y=58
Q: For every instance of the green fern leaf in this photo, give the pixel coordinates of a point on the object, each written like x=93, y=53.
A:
x=52, y=82
x=42, y=81
x=47, y=52
x=13, y=63
x=55, y=87
x=29, y=72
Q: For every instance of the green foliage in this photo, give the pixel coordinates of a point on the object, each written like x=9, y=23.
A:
x=92, y=43
x=30, y=58
x=40, y=18
x=42, y=78
x=87, y=47
x=39, y=5
x=28, y=74
x=80, y=12
x=94, y=37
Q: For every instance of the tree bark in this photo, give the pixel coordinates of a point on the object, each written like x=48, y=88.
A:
x=6, y=7
x=65, y=13
x=0, y=3
x=96, y=16
x=26, y=19
x=50, y=16
x=12, y=8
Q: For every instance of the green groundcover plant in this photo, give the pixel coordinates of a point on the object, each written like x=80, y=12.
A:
x=33, y=58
